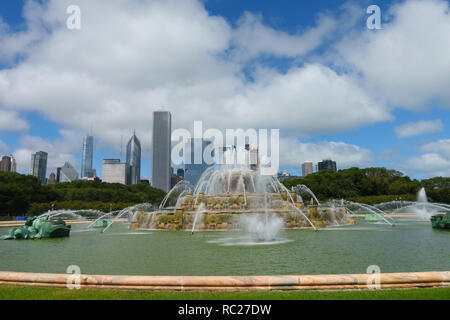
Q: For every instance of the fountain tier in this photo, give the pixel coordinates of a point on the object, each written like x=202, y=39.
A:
x=224, y=198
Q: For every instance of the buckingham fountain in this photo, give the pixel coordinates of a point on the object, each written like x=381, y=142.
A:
x=269, y=231
x=238, y=199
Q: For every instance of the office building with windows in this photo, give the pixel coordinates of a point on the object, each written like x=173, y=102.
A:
x=327, y=164
x=67, y=173
x=134, y=160
x=115, y=171
x=87, y=154
x=38, y=166
x=8, y=164
x=307, y=168
x=161, y=153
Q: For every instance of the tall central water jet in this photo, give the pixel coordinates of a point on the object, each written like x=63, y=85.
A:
x=422, y=210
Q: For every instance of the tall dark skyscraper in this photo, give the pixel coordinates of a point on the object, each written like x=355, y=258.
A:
x=39, y=165
x=162, y=135
x=86, y=158
x=134, y=160
x=327, y=164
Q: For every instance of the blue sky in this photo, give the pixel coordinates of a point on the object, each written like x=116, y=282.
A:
x=229, y=63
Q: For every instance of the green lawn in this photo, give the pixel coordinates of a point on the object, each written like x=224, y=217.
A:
x=38, y=293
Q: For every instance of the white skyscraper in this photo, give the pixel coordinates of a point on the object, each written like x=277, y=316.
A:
x=307, y=168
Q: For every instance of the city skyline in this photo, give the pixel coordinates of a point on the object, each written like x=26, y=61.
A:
x=346, y=105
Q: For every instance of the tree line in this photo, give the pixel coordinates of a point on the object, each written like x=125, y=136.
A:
x=372, y=185
x=23, y=195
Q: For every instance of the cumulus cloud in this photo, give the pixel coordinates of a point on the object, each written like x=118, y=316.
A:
x=441, y=147
x=115, y=71
x=413, y=129
x=17, y=44
x=253, y=38
x=10, y=121
x=59, y=151
x=408, y=60
x=430, y=164
x=434, y=162
x=294, y=153
x=131, y=58
x=312, y=99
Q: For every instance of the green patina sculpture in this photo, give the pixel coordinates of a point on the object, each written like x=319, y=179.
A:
x=441, y=221
x=100, y=224
x=371, y=217
x=39, y=228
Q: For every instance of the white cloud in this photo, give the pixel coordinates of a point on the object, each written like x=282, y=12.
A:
x=294, y=153
x=59, y=151
x=18, y=44
x=413, y=129
x=441, y=147
x=130, y=58
x=10, y=121
x=408, y=61
x=252, y=38
x=173, y=54
x=434, y=162
x=431, y=164
x=308, y=100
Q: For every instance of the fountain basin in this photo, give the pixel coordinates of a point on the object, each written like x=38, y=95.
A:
x=228, y=283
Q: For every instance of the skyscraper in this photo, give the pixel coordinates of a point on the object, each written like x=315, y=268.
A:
x=162, y=135
x=8, y=164
x=13, y=164
x=52, y=178
x=193, y=171
x=134, y=160
x=114, y=171
x=5, y=164
x=39, y=165
x=86, y=157
x=327, y=164
x=67, y=173
x=307, y=168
